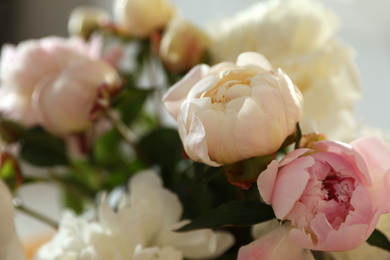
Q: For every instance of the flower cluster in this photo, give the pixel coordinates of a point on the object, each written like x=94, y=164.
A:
x=266, y=100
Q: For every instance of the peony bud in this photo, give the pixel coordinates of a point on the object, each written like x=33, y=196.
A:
x=140, y=18
x=183, y=45
x=231, y=112
x=84, y=20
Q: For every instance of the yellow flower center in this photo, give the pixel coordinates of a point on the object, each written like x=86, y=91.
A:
x=228, y=79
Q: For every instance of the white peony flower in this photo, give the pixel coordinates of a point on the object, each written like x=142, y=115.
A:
x=298, y=36
x=141, y=229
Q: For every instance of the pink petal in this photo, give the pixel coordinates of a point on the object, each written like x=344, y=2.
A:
x=349, y=154
x=377, y=157
x=266, y=181
x=331, y=240
x=275, y=245
x=178, y=92
x=290, y=184
x=293, y=155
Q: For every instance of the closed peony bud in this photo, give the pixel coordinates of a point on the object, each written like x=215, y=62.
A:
x=84, y=20
x=183, y=45
x=140, y=18
x=231, y=112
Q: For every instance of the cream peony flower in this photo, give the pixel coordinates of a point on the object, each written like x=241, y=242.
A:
x=141, y=229
x=230, y=112
x=298, y=36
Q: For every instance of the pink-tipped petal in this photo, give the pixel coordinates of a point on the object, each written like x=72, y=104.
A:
x=178, y=92
x=377, y=157
x=195, y=144
x=275, y=245
x=290, y=184
x=266, y=181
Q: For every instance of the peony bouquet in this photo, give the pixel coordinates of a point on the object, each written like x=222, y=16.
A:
x=172, y=142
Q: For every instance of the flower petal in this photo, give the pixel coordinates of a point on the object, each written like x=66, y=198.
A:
x=178, y=92
x=253, y=58
x=195, y=143
x=274, y=245
x=266, y=181
x=376, y=155
x=290, y=184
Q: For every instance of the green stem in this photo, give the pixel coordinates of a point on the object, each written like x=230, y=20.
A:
x=123, y=130
x=18, y=203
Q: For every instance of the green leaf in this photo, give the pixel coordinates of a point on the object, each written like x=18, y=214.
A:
x=10, y=171
x=43, y=149
x=299, y=136
x=106, y=150
x=162, y=147
x=378, y=239
x=245, y=172
x=232, y=214
x=9, y=130
x=130, y=103
x=73, y=200
x=205, y=177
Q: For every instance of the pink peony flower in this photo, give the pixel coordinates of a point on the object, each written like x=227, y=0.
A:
x=230, y=112
x=53, y=82
x=330, y=197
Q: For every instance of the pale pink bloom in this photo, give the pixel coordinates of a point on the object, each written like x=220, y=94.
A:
x=330, y=196
x=53, y=82
x=230, y=112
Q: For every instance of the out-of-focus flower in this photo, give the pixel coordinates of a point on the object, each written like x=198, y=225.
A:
x=140, y=18
x=142, y=228
x=183, y=45
x=231, y=112
x=298, y=37
x=84, y=20
x=332, y=195
x=10, y=246
x=54, y=82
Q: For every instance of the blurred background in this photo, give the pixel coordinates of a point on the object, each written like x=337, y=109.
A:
x=365, y=26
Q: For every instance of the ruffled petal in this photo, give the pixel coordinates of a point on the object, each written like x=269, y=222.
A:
x=274, y=245
x=290, y=184
x=178, y=92
x=376, y=155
